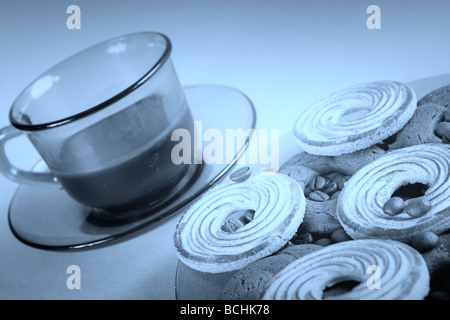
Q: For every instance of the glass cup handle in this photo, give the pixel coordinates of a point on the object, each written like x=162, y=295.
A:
x=15, y=174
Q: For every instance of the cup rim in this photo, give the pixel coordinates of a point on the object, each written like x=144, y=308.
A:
x=102, y=105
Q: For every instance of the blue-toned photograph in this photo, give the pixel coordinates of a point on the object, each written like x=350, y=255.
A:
x=240, y=152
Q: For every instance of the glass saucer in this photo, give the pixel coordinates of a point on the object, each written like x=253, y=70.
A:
x=47, y=218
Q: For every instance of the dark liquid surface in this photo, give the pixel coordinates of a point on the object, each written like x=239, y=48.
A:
x=123, y=161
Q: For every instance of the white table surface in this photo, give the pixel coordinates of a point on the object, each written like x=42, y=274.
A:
x=283, y=54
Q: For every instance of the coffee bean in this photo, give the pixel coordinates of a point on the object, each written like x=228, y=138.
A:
x=336, y=177
x=302, y=238
x=318, y=183
x=424, y=241
x=227, y=227
x=394, y=206
x=312, y=184
x=247, y=216
x=443, y=129
x=241, y=174
x=447, y=114
x=418, y=207
x=307, y=191
x=330, y=188
x=340, y=235
x=323, y=242
x=332, y=175
x=232, y=225
x=341, y=182
x=319, y=196
x=335, y=195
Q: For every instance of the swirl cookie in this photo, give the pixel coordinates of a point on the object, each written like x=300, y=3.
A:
x=430, y=123
x=236, y=223
x=355, y=118
x=402, y=274
x=322, y=178
x=250, y=282
x=368, y=206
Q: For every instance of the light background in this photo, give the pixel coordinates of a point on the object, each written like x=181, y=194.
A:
x=283, y=54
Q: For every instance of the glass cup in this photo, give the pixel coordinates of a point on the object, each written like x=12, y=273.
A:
x=102, y=121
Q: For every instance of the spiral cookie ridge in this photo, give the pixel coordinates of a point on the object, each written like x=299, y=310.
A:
x=202, y=243
x=360, y=205
x=355, y=118
x=402, y=274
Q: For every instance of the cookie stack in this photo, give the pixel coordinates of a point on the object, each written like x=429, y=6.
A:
x=362, y=213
